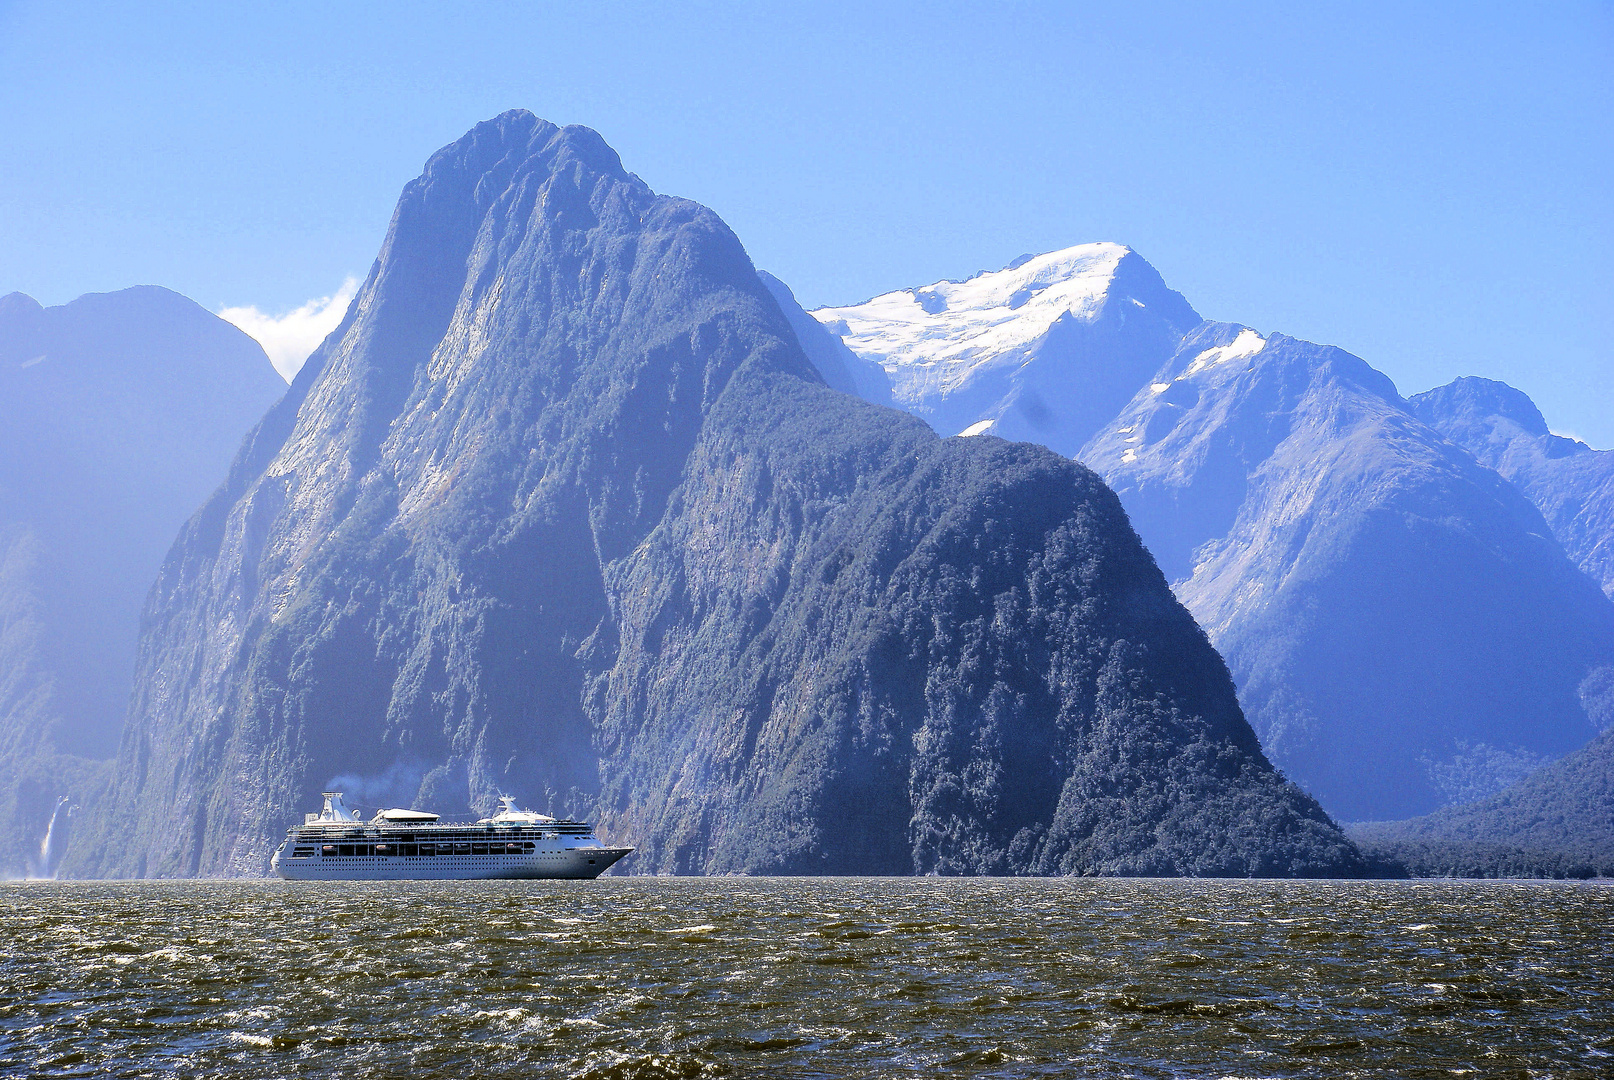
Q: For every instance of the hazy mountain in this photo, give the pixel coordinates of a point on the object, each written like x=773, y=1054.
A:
x=563, y=510
x=119, y=413
x=1570, y=483
x=1403, y=628
x=841, y=368
x=1557, y=822
x=1046, y=350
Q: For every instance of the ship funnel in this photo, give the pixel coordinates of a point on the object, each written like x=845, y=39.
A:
x=334, y=808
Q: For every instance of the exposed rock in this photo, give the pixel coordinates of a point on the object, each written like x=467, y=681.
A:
x=563, y=510
x=841, y=368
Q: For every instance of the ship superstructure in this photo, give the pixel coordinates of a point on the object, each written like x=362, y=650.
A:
x=336, y=845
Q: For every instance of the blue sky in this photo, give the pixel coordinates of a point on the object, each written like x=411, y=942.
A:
x=1428, y=186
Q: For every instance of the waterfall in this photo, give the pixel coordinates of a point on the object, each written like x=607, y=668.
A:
x=46, y=867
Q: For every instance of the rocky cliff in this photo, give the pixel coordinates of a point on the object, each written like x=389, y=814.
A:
x=119, y=413
x=563, y=510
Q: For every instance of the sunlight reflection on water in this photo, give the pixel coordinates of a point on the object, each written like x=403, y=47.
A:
x=642, y=977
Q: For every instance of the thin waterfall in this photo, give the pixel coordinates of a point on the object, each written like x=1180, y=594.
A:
x=46, y=867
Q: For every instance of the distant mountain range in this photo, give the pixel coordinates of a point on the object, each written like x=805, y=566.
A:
x=569, y=507
x=118, y=415
x=1405, y=628
x=562, y=509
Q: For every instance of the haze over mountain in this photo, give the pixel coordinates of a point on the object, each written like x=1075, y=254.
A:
x=1570, y=483
x=118, y=415
x=1403, y=627
x=1556, y=822
x=562, y=509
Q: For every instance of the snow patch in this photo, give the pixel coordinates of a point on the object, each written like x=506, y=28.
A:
x=980, y=427
x=1159, y=387
x=934, y=338
x=1130, y=456
x=1246, y=345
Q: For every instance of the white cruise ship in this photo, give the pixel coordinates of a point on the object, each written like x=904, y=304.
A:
x=408, y=845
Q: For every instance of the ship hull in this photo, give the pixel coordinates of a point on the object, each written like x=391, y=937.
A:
x=565, y=864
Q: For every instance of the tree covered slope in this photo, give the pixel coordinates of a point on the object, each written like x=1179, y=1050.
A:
x=562, y=510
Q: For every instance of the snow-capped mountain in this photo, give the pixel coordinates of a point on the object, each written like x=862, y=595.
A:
x=1398, y=617
x=1045, y=350
x=575, y=517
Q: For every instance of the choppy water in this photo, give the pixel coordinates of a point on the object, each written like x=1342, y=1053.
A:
x=807, y=978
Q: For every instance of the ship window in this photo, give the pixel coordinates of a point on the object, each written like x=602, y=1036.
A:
x=409, y=849
x=428, y=849
x=345, y=849
x=462, y=849
x=529, y=846
x=479, y=849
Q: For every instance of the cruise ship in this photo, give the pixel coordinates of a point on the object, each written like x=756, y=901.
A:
x=408, y=845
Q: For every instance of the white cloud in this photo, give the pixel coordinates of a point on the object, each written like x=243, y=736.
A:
x=289, y=338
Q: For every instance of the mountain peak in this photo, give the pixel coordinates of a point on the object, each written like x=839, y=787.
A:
x=563, y=511
x=1046, y=349
x=955, y=324
x=15, y=304
x=1471, y=398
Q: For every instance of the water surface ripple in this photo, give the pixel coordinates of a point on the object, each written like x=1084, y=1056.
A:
x=649, y=978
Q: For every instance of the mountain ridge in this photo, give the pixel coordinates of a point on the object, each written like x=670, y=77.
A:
x=1569, y=482
x=564, y=511
x=1556, y=822
x=1298, y=504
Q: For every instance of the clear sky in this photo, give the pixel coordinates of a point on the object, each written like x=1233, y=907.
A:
x=1428, y=186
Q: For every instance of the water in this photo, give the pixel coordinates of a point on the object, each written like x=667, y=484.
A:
x=636, y=977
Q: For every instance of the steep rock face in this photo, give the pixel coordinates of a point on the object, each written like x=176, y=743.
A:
x=1046, y=350
x=1398, y=618
x=563, y=510
x=1570, y=483
x=118, y=415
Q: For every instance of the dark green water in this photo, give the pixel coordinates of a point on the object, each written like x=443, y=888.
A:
x=636, y=977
